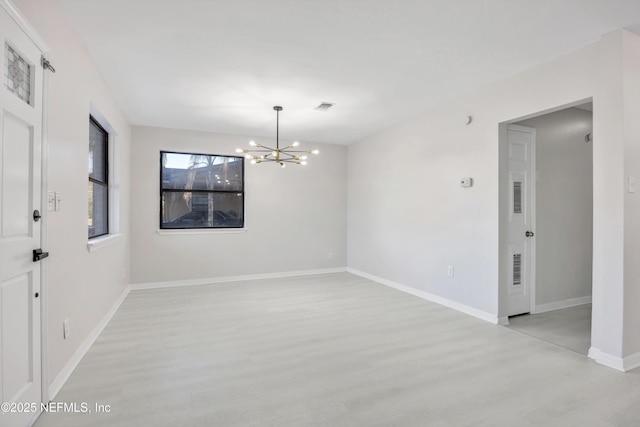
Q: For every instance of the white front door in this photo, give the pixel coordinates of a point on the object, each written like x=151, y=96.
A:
x=521, y=217
x=20, y=195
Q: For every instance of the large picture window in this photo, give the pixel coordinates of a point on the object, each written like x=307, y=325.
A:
x=98, y=180
x=201, y=191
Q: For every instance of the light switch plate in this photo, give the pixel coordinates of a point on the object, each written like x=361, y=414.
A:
x=466, y=182
x=51, y=201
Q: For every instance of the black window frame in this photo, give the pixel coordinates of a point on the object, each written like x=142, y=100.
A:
x=105, y=184
x=175, y=190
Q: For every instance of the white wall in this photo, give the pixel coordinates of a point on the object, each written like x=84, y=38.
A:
x=82, y=286
x=564, y=205
x=631, y=117
x=294, y=216
x=408, y=219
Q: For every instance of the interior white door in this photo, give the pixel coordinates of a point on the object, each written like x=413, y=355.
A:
x=521, y=217
x=20, y=196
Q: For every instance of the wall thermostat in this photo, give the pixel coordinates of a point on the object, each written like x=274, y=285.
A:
x=466, y=182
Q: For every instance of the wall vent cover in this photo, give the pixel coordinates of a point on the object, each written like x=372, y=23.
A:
x=324, y=106
x=517, y=197
x=517, y=269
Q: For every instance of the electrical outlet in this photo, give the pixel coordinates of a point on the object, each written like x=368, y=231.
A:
x=330, y=255
x=66, y=329
x=450, y=271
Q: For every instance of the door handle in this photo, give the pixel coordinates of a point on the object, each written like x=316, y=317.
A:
x=39, y=255
x=529, y=234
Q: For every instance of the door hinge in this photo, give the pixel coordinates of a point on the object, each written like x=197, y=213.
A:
x=46, y=64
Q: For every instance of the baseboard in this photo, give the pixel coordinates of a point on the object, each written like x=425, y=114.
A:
x=606, y=359
x=71, y=365
x=213, y=280
x=631, y=362
x=572, y=302
x=491, y=318
x=618, y=363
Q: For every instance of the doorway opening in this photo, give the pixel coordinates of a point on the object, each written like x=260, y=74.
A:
x=546, y=225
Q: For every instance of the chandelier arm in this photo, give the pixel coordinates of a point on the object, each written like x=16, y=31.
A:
x=289, y=156
x=265, y=147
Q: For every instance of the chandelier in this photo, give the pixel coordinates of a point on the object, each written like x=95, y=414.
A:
x=261, y=153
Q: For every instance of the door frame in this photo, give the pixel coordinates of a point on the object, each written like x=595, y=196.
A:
x=503, y=206
x=26, y=27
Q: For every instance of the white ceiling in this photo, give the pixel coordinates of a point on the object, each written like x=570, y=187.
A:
x=220, y=65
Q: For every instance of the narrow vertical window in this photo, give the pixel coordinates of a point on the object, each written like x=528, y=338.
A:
x=98, y=180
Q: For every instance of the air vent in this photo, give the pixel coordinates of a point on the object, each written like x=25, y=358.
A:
x=517, y=197
x=517, y=269
x=325, y=106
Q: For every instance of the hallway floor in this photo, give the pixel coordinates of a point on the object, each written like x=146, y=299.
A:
x=569, y=328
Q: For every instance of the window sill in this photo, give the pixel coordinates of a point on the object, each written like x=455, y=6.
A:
x=177, y=232
x=101, y=242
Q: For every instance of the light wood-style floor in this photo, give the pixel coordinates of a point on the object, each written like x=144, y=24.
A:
x=330, y=350
x=569, y=328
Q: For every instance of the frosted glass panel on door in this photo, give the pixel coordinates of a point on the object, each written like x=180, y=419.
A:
x=18, y=74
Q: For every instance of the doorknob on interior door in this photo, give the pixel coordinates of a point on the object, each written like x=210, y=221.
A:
x=39, y=254
x=529, y=234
